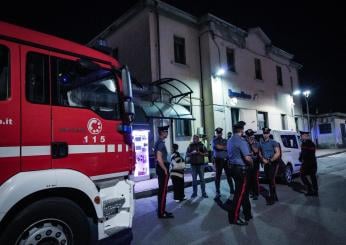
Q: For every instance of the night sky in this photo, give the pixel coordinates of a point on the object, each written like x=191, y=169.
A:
x=314, y=33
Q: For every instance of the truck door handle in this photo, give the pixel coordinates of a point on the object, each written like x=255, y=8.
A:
x=59, y=150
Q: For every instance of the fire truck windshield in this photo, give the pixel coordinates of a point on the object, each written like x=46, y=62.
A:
x=95, y=89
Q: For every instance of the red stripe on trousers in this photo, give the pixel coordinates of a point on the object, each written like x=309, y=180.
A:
x=164, y=193
x=236, y=214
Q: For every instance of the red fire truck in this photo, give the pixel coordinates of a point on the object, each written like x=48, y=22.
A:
x=65, y=141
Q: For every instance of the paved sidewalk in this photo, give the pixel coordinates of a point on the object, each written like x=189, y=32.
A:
x=329, y=152
x=149, y=187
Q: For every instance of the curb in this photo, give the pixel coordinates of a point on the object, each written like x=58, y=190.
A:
x=331, y=154
x=153, y=192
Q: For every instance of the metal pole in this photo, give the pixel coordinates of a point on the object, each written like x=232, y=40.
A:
x=307, y=111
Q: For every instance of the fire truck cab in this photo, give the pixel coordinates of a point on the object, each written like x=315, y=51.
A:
x=65, y=141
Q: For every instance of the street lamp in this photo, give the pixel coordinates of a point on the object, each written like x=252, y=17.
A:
x=220, y=72
x=306, y=94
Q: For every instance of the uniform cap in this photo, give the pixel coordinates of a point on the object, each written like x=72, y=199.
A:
x=218, y=130
x=250, y=132
x=242, y=123
x=163, y=128
x=239, y=125
x=304, y=132
x=266, y=130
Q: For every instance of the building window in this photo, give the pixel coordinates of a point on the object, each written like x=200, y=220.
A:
x=279, y=75
x=183, y=127
x=5, y=85
x=234, y=115
x=258, y=70
x=291, y=80
x=283, y=121
x=296, y=122
x=262, y=119
x=37, y=78
x=325, y=128
x=289, y=141
x=230, y=59
x=179, y=50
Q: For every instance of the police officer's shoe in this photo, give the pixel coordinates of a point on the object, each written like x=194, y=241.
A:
x=205, y=195
x=239, y=222
x=247, y=218
x=270, y=201
x=255, y=197
x=166, y=215
x=309, y=193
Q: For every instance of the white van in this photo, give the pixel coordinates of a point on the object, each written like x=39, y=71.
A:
x=290, y=148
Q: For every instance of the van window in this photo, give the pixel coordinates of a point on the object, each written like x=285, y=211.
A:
x=77, y=86
x=5, y=85
x=37, y=78
x=289, y=141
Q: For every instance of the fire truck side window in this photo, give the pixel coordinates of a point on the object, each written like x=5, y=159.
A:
x=5, y=85
x=37, y=78
x=77, y=86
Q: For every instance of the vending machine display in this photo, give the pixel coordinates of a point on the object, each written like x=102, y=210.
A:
x=140, y=139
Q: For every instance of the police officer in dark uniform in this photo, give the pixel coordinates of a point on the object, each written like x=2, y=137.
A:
x=220, y=160
x=239, y=157
x=162, y=168
x=270, y=154
x=309, y=164
x=253, y=172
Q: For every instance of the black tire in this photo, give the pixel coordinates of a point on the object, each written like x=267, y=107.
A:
x=287, y=175
x=61, y=213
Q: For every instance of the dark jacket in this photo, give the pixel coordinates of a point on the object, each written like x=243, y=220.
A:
x=307, y=155
x=196, y=158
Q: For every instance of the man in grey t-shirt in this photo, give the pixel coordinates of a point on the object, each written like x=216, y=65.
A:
x=221, y=161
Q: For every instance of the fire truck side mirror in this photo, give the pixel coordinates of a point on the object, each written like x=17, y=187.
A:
x=129, y=109
x=127, y=85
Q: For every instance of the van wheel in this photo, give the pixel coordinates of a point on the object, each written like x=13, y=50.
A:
x=288, y=175
x=48, y=221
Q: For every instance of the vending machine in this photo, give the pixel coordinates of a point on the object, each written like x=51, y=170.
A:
x=140, y=139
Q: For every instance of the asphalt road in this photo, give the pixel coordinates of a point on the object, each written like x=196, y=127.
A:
x=295, y=220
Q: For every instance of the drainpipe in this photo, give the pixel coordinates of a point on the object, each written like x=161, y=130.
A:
x=217, y=46
x=201, y=70
x=158, y=38
x=201, y=81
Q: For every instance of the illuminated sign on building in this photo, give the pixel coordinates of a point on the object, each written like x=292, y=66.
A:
x=241, y=95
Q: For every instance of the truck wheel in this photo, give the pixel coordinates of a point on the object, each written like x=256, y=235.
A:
x=288, y=175
x=49, y=221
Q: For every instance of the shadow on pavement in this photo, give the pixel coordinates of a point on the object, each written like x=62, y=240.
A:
x=297, y=187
